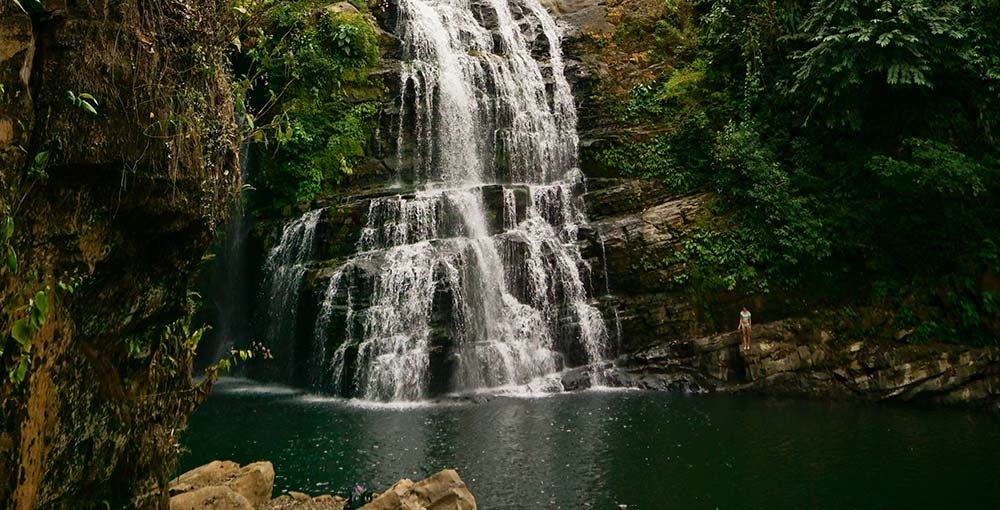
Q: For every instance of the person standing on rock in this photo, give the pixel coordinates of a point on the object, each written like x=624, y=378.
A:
x=744, y=327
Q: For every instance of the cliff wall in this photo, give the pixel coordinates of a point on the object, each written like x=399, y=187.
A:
x=116, y=161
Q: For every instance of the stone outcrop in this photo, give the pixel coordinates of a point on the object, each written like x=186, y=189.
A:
x=215, y=497
x=442, y=491
x=635, y=226
x=797, y=358
x=224, y=485
x=252, y=482
x=119, y=203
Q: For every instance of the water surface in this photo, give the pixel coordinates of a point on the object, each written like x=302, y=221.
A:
x=605, y=449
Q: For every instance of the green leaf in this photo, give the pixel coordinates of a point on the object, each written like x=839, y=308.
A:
x=196, y=338
x=42, y=303
x=37, y=319
x=88, y=108
x=17, y=375
x=8, y=228
x=21, y=333
x=11, y=259
x=88, y=97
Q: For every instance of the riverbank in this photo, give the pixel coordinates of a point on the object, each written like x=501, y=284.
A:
x=225, y=485
x=797, y=358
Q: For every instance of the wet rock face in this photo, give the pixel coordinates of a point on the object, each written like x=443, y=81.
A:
x=635, y=226
x=124, y=204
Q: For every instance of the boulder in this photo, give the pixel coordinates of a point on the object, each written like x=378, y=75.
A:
x=212, y=497
x=255, y=482
x=212, y=473
x=299, y=496
x=444, y=490
x=224, y=485
x=252, y=482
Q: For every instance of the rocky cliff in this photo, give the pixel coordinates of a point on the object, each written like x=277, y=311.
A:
x=798, y=358
x=116, y=160
x=670, y=335
x=636, y=228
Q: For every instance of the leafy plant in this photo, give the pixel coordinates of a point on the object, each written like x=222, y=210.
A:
x=6, y=247
x=317, y=105
x=850, y=145
x=39, y=164
x=855, y=44
x=83, y=101
x=236, y=356
x=33, y=317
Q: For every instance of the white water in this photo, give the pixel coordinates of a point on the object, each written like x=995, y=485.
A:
x=474, y=281
x=284, y=268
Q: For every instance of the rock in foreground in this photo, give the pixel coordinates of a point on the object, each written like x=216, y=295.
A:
x=442, y=491
x=224, y=485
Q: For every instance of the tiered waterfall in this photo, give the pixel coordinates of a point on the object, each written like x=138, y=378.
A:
x=474, y=280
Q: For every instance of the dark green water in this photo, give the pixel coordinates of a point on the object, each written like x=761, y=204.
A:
x=605, y=449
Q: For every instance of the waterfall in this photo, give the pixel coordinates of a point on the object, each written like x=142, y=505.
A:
x=284, y=270
x=229, y=286
x=474, y=280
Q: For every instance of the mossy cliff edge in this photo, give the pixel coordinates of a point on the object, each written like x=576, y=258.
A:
x=117, y=156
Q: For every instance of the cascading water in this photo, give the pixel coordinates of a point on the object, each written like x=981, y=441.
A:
x=283, y=271
x=475, y=280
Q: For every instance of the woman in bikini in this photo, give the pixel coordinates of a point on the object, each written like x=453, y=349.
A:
x=744, y=327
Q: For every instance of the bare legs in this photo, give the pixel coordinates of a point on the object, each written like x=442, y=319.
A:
x=745, y=331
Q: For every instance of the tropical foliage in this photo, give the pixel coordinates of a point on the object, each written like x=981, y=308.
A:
x=311, y=102
x=850, y=144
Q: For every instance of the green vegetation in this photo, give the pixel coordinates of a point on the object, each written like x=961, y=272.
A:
x=83, y=101
x=312, y=104
x=256, y=350
x=850, y=145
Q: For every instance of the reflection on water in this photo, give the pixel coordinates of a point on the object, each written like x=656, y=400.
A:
x=603, y=449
